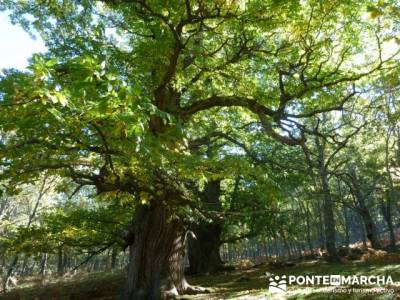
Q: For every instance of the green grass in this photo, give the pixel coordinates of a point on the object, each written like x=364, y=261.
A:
x=106, y=286
x=99, y=286
x=229, y=287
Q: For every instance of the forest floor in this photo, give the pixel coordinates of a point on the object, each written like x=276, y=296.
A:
x=240, y=284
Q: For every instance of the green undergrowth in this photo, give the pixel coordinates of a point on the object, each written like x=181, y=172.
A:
x=243, y=284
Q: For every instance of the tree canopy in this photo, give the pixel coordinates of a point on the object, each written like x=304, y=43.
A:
x=151, y=101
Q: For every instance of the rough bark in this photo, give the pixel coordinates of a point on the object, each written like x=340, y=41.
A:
x=370, y=228
x=156, y=266
x=43, y=264
x=362, y=209
x=204, y=256
x=327, y=207
x=367, y=225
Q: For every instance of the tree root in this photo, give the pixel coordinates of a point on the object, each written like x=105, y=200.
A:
x=170, y=294
x=192, y=290
x=186, y=289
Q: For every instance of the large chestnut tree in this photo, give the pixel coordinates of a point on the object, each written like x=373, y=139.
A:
x=127, y=87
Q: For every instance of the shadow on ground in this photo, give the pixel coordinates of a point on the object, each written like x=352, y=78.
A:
x=247, y=284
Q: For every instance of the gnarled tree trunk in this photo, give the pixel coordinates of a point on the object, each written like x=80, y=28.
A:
x=204, y=255
x=156, y=266
x=361, y=199
x=370, y=228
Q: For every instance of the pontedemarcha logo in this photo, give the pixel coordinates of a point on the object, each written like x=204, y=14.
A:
x=277, y=284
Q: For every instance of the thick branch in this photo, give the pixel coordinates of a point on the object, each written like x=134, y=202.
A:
x=226, y=101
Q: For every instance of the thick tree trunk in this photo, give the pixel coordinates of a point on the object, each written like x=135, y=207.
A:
x=156, y=266
x=370, y=228
x=327, y=208
x=362, y=208
x=204, y=256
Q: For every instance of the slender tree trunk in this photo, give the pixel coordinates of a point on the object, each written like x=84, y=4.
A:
x=230, y=252
x=60, y=262
x=266, y=249
x=10, y=270
x=387, y=215
x=286, y=244
x=65, y=261
x=2, y=260
x=24, y=265
x=389, y=221
x=114, y=254
x=42, y=192
x=347, y=226
x=43, y=264
x=363, y=235
x=320, y=228
x=330, y=232
x=307, y=215
x=276, y=247
x=156, y=266
x=391, y=197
